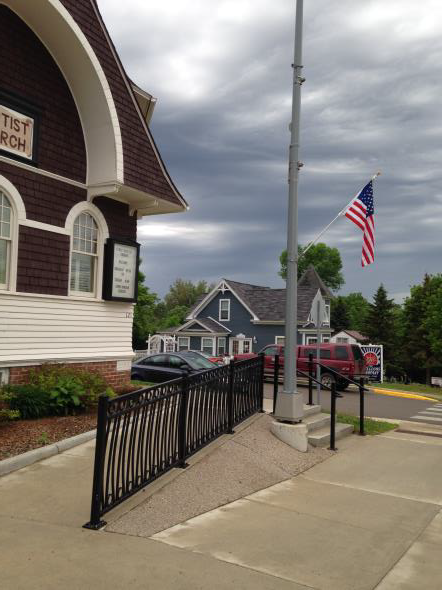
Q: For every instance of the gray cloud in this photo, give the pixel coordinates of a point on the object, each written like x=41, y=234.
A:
x=221, y=71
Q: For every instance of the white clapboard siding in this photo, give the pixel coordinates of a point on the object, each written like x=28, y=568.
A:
x=39, y=328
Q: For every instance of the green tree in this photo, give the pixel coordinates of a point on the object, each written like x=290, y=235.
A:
x=327, y=262
x=146, y=319
x=357, y=307
x=340, y=318
x=380, y=325
x=184, y=293
x=422, y=328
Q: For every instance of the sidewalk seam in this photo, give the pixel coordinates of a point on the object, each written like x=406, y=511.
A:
x=415, y=540
x=343, y=485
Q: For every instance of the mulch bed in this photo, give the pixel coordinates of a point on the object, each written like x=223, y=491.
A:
x=24, y=435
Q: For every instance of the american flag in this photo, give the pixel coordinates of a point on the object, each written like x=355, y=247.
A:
x=361, y=212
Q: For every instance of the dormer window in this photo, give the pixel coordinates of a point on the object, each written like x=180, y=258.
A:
x=224, y=310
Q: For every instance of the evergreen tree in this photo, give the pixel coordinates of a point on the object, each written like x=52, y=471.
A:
x=380, y=326
x=340, y=318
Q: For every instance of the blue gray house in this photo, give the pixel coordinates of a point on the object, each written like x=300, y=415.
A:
x=236, y=318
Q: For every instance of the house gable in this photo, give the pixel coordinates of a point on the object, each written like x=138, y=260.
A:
x=222, y=291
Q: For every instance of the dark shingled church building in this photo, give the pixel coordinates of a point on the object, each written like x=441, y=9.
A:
x=78, y=167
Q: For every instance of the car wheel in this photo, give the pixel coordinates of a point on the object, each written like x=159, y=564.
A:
x=327, y=380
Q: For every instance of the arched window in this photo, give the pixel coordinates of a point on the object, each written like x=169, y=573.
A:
x=85, y=256
x=6, y=235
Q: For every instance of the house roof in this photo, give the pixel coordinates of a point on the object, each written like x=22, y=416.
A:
x=354, y=334
x=268, y=304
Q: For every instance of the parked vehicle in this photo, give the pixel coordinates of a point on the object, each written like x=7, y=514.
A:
x=218, y=360
x=346, y=359
x=159, y=368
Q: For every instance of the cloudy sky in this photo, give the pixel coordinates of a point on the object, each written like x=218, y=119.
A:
x=372, y=100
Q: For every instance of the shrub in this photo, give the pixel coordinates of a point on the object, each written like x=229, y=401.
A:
x=6, y=413
x=68, y=386
x=30, y=401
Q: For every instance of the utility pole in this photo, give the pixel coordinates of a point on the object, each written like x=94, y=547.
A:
x=290, y=403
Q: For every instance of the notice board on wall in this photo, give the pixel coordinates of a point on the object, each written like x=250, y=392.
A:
x=121, y=262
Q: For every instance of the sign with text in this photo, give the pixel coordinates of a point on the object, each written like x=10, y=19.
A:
x=373, y=356
x=121, y=270
x=16, y=133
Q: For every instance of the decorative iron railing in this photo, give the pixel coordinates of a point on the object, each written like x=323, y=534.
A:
x=142, y=435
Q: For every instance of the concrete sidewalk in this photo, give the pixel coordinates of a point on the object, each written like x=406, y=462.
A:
x=368, y=517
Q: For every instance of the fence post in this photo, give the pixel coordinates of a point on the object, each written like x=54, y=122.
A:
x=182, y=422
x=361, y=407
x=310, y=379
x=261, y=383
x=275, y=381
x=230, y=397
x=95, y=522
x=332, y=446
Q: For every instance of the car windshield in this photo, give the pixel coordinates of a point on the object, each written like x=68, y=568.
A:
x=197, y=361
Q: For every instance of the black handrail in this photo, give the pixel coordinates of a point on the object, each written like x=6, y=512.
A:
x=332, y=389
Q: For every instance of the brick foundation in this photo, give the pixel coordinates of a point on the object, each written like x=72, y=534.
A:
x=108, y=370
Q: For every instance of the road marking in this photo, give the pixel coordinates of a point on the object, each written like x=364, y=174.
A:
x=426, y=418
x=402, y=394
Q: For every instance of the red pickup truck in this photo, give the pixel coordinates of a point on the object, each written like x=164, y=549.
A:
x=345, y=359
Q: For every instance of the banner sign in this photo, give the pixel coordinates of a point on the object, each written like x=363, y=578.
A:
x=373, y=356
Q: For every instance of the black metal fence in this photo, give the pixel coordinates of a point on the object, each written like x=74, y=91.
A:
x=142, y=435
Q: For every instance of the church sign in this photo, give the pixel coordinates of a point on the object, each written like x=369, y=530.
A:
x=18, y=128
x=16, y=133
x=121, y=270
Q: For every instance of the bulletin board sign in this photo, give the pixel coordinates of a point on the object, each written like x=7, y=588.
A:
x=121, y=262
x=19, y=123
x=374, y=361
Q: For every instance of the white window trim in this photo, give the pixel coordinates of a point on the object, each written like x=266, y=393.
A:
x=18, y=215
x=103, y=235
x=223, y=339
x=276, y=340
x=213, y=343
x=327, y=313
x=232, y=340
x=308, y=338
x=187, y=338
x=228, y=310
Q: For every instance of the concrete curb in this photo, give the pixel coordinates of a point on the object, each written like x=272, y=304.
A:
x=25, y=459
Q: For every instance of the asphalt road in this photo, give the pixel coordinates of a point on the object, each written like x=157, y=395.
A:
x=377, y=405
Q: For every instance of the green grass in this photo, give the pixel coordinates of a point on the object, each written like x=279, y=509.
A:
x=435, y=392
x=370, y=426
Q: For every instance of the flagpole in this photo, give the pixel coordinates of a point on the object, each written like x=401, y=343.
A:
x=290, y=402
x=313, y=242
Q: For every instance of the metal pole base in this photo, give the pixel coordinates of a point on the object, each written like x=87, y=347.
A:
x=95, y=527
x=289, y=407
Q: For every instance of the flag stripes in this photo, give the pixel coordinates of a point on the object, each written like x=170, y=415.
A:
x=361, y=213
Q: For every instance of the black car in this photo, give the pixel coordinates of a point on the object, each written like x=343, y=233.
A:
x=158, y=368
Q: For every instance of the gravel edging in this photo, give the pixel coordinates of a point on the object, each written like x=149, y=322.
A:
x=25, y=459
